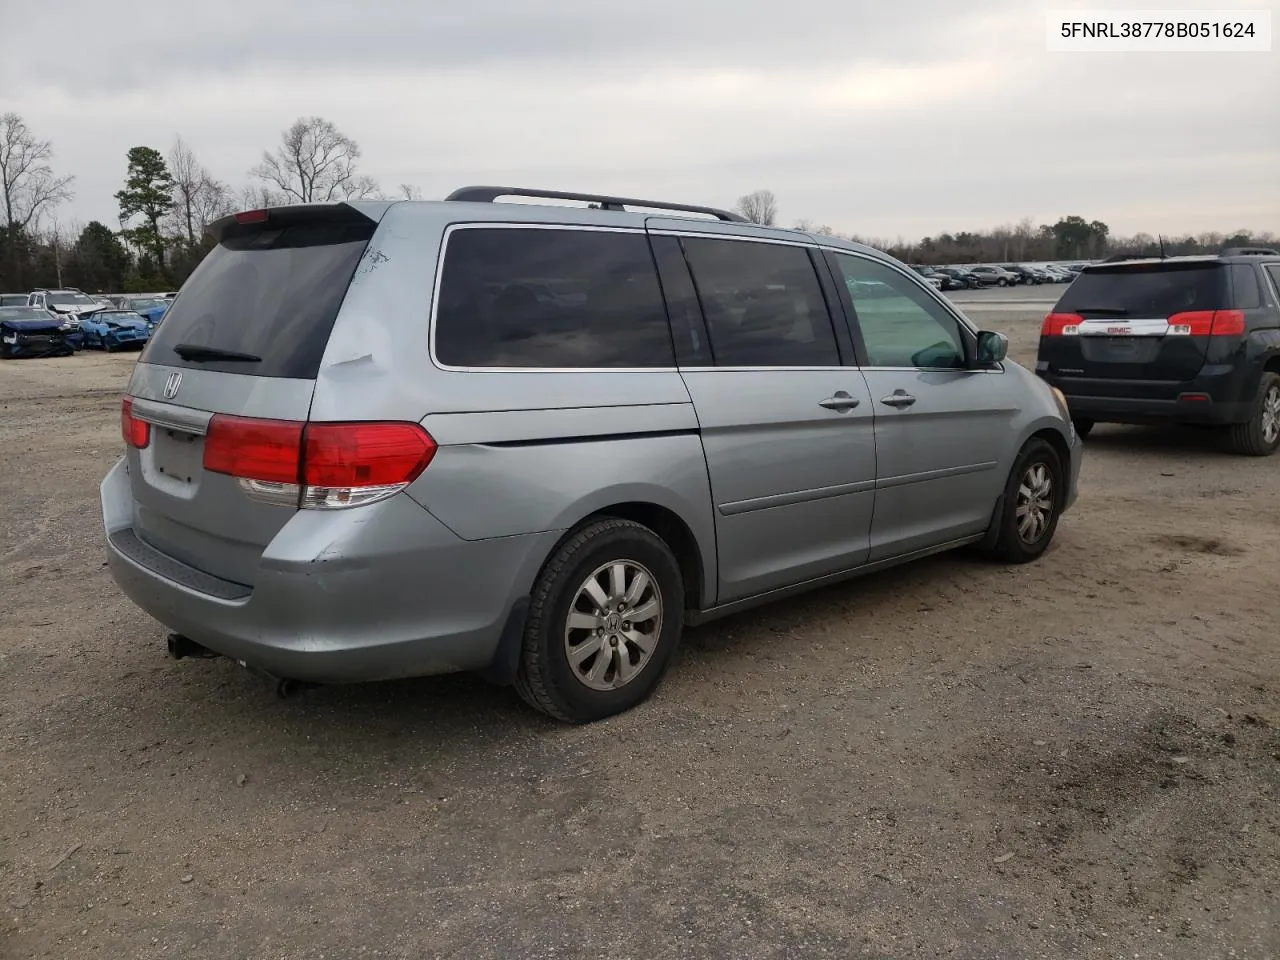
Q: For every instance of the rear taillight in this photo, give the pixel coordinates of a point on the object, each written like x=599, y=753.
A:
x=1061, y=325
x=1207, y=323
x=251, y=216
x=322, y=466
x=253, y=449
x=136, y=433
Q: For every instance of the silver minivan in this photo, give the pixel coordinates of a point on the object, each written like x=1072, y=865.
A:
x=389, y=439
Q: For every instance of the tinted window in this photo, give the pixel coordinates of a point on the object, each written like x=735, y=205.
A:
x=902, y=325
x=1145, y=292
x=1244, y=283
x=1274, y=270
x=763, y=304
x=272, y=293
x=550, y=298
x=13, y=300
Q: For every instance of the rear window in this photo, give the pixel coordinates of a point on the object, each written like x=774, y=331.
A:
x=271, y=293
x=1146, y=292
x=560, y=298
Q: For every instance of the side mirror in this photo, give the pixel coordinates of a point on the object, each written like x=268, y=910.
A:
x=992, y=348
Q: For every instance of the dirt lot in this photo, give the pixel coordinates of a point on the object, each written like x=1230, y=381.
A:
x=1075, y=758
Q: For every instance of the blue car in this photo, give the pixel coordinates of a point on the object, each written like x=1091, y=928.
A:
x=151, y=309
x=116, y=330
x=32, y=332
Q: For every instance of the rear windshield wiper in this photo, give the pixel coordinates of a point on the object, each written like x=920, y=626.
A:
x=198, y=354
x=1113, y=311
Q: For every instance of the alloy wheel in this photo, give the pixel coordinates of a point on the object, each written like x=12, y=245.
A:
x=614, y=622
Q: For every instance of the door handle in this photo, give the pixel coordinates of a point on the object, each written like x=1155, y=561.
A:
x=899, y=399
x=840, y=401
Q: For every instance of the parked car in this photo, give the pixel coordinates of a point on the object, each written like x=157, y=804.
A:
x=71, y=304
x=151, y=307
x=32, y=332
x=13, y=299
x=1025, y=274
x=955, y=279
x=976, y=281
x=995, y=276
x=931, y=277
x=420, y=471
x=1055, y=273
x=945, y=281
x=111, y=330
x=1183, y=339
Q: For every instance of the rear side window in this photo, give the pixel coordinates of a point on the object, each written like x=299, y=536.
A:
x=272, y=293
x=1147, y=291
x=1274, y=270
x=525, y=297
x=763, y=304
x=1244, y=282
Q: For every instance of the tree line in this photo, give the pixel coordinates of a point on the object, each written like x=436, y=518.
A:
x=166, y=203
x=168, y=199
x=1070, y=238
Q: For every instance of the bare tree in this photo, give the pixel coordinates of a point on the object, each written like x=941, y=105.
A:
x=759, y=207
x=315, y=163
x=409, y=191
x=27, y=183
x=199, y=198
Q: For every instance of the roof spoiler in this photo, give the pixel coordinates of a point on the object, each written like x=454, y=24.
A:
x=247, y=221
x=491, y=194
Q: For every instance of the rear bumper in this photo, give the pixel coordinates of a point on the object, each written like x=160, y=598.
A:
x=372, y=593
x=1214, y=397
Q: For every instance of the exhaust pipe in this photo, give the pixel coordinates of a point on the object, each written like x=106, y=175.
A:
x=180, y=646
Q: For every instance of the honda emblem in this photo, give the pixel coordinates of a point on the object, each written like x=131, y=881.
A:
x=171, y=385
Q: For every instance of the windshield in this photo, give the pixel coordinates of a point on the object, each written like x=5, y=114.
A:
x=147, y=304
x=71, y=300
x=24, y=313
x=118, y=316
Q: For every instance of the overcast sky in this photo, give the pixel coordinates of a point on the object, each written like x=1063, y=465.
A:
x=882, y=117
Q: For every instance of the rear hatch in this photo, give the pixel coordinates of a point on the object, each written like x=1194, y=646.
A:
x=1146, y=321
x=244, y=339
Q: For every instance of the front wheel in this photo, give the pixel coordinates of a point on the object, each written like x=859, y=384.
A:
x=1033, y=501
x=1259, y=436
x=605, y=617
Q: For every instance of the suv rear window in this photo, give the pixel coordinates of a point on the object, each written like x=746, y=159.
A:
x=1148, y=291
x=550, y=298
x=272, y=293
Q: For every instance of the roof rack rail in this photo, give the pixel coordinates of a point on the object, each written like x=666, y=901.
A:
x=491, y=194
x=1249, y=252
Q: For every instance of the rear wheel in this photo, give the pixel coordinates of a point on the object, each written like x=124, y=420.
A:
x=1033, y=501
x=605, y=617
x=1259, y=436
x=1002, y=282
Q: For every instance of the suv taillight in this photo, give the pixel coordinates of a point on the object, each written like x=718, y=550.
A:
x=1207, y=323
x=136, y=433
x=1061, y=325
x=320, y=466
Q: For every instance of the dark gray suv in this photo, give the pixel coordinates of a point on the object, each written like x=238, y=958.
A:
x=376, y=440
x=1179, y=339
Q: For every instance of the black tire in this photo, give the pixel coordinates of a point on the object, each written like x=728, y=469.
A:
x=545, y=678
x=1010, y=544
x=1259, y=436
x=1083, y=427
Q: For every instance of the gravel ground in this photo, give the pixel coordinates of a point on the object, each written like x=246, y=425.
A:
x=1080, y=757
